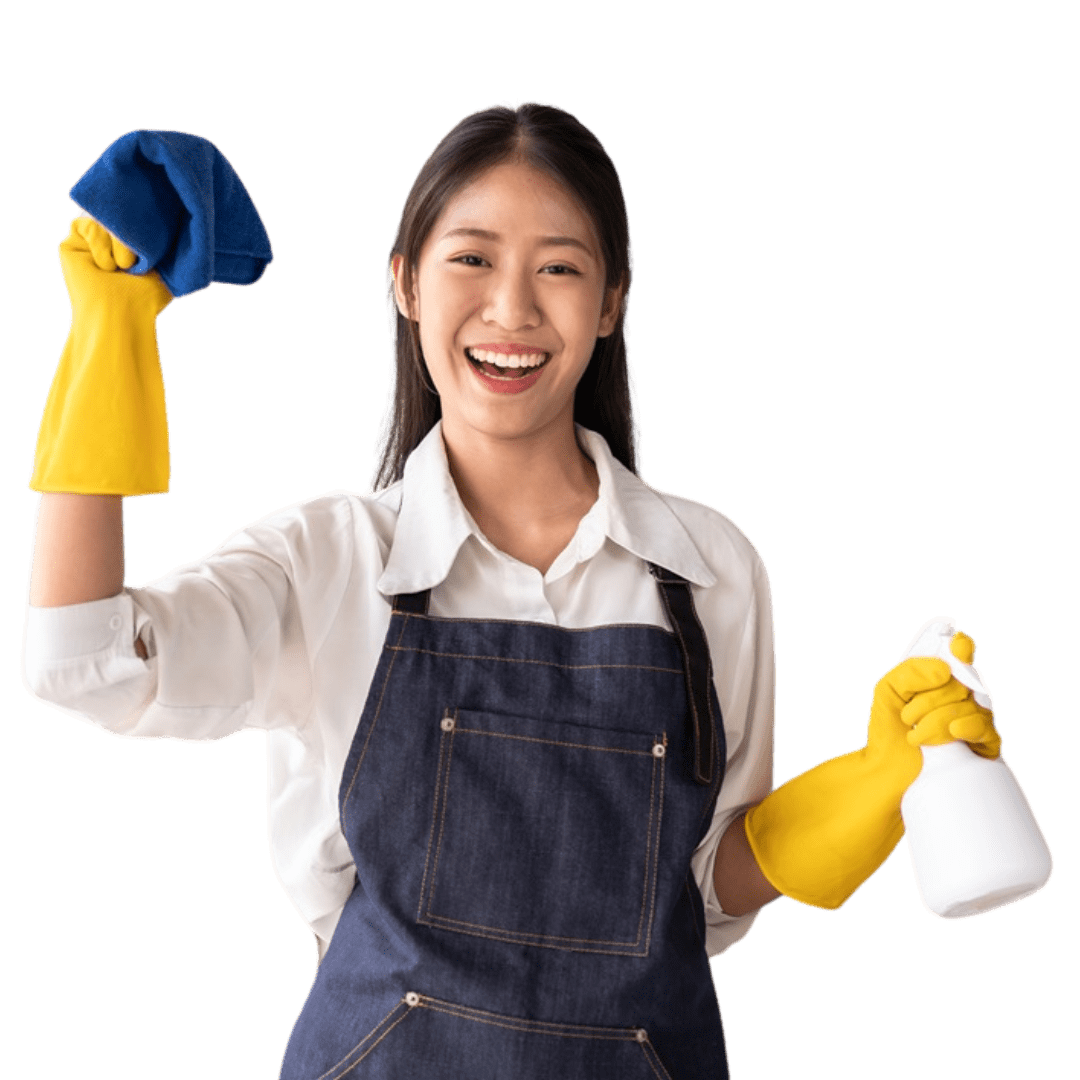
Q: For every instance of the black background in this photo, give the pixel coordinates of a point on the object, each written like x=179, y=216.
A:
x=829, y=347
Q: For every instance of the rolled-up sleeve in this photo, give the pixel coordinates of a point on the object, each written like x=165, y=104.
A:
x=227, y=639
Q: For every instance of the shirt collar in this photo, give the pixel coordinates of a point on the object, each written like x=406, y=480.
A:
x=433, y=522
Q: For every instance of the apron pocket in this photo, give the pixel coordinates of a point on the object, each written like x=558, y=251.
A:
x=544, y=833
x=439, y=1038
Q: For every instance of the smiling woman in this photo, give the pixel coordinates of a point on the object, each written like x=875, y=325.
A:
x=516, y=703
x=538, y=161
x=518, y=861
x=510, y=296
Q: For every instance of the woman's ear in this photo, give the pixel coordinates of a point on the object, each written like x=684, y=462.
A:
x=405, y=304
x=609, y=313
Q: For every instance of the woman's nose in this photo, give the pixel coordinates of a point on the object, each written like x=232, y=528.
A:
x=511, y=302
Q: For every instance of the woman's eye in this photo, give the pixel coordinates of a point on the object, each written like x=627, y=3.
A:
x=559, y=266
x=469, y=260
x=559, y=269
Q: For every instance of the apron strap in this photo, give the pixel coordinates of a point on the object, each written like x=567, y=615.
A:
x=697, y=664
x=412, y=603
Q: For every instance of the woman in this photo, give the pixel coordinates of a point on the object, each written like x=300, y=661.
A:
x=505, y=791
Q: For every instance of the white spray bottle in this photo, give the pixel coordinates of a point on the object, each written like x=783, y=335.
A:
x=973, y=839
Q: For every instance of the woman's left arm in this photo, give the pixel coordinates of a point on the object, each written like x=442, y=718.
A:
x=740, y=885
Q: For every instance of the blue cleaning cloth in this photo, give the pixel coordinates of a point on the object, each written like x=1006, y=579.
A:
x=179, y=205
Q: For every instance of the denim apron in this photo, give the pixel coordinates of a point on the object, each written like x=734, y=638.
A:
x=522, y=801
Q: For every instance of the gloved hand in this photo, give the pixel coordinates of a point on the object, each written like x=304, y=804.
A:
x=104, y=430
x=820, y=836
x=942, y=716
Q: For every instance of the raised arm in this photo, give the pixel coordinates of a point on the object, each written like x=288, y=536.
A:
x=103, y=434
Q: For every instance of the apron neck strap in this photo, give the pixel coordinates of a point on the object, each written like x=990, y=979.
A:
x=413, y=603
x=697, y=665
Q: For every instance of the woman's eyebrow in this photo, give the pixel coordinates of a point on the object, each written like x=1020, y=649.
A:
x=545, y=241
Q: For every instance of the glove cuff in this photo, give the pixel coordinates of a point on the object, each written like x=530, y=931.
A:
x=104, y=431
x=820, y=836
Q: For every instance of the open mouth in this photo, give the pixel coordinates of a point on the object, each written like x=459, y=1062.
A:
x=507, y=367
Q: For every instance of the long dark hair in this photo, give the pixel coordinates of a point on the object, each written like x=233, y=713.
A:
x=556, y=143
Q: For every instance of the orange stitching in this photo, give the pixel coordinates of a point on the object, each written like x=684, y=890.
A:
x=331, y=1075
x=556, y=742
x=544, y=663
x=443, y=793
x=370, y=730
x=540, y=1027
x=517, y=934
x=434, y=813
x=546, y=1027
x=652, y=858
x=656, y=854
x=525, y=937
x=547, y=625
x=652, y=1058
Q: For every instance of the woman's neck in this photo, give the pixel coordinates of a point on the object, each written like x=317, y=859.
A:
x=527, y=494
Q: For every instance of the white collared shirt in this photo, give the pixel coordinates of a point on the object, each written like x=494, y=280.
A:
x=282, y=627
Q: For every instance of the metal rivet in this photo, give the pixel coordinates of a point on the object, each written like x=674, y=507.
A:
x=447, y=723
x=641, y=1035
x=659, y=749
x=412, y=998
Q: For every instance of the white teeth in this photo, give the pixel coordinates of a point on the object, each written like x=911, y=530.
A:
x=503, y=360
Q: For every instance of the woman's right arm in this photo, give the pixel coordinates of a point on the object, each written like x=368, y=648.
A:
x=79, y=551
x=103, y=433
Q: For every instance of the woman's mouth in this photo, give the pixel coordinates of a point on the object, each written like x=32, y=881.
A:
x=507, y=373
x=506, y=365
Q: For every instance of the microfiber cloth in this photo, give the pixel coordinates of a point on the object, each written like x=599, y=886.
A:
x=179, y=205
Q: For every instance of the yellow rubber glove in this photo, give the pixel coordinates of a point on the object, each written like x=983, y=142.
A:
x=820, y=836
x=104, y=429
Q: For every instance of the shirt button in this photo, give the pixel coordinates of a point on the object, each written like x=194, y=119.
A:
x=115, y=622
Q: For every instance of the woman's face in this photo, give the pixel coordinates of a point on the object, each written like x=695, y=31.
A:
x=510, y=297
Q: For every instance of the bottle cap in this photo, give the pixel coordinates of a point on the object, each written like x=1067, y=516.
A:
x=933, y=640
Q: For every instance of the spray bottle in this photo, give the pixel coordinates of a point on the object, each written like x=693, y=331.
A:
x=974, y=842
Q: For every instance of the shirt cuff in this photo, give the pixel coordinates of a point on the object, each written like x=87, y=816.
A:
x=64, y=633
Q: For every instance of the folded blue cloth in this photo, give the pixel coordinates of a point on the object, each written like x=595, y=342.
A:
x=178, y=204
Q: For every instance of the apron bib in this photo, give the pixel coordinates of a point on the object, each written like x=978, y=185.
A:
x=522, y=802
